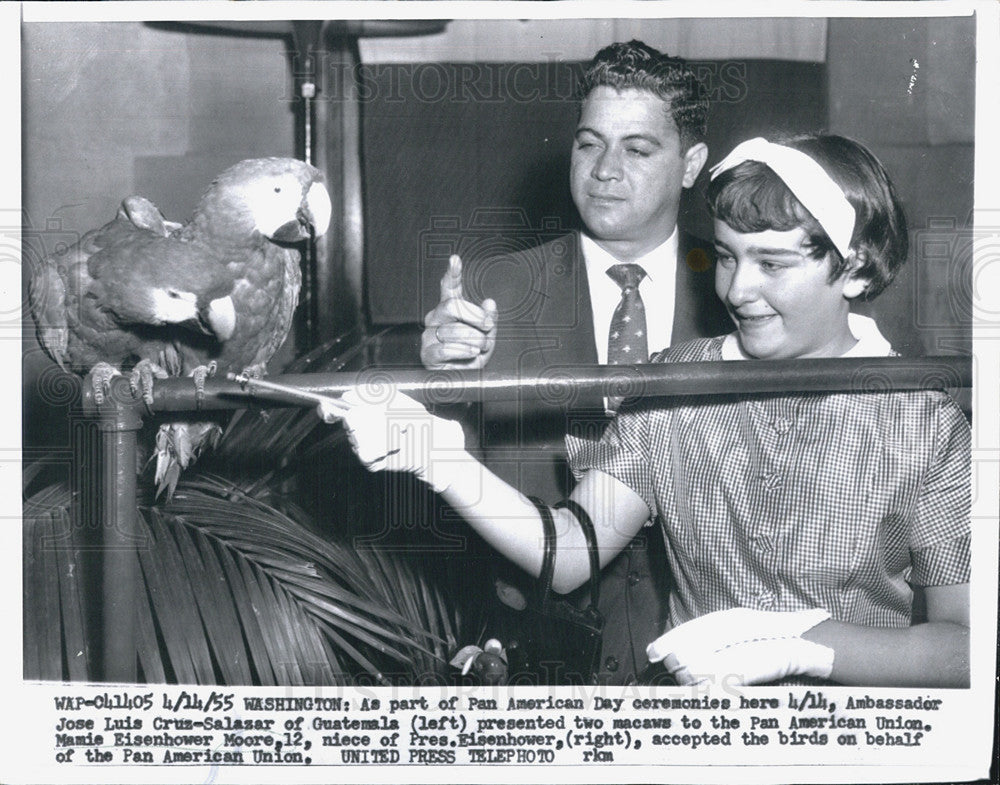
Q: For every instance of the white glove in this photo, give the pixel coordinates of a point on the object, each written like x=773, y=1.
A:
x=747, y=645
x=393, y=432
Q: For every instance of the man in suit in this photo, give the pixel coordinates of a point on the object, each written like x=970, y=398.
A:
x=638, y=144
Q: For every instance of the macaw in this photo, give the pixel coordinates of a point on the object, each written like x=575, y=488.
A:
x=160, y=299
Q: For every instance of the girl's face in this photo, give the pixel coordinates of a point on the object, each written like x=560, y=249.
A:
x=780, y=297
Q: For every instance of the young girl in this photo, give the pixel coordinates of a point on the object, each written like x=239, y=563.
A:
x=794, y=523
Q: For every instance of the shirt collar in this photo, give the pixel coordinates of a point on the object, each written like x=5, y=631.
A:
x=662, y=259
x=871, y=342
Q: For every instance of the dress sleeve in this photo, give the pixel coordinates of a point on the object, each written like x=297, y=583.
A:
x=622, y=451
x=625, y=450
x=941, y=535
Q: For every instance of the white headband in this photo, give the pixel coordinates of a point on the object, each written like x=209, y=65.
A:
x=806, y=179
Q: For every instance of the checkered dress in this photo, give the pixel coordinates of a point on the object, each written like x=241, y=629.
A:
x=786, y=502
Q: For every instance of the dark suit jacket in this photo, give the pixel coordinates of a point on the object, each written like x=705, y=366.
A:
x=545, y=323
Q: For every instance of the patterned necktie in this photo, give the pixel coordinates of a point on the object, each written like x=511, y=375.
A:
x=627, y=336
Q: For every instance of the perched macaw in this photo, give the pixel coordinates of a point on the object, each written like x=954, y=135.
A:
x=162, y=299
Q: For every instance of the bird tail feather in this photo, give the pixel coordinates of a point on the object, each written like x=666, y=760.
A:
x=178, y=445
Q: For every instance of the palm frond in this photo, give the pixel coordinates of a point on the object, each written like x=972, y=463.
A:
x=324, y=566
x=235, y=592
x=55, y=626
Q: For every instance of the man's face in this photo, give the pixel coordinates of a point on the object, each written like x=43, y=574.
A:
x=780, y=297
x=627, y=169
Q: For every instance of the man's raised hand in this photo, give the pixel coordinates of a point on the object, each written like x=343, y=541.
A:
x=458, y=334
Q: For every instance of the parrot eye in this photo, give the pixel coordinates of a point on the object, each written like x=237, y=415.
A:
x=173, y=295
x=277, y=189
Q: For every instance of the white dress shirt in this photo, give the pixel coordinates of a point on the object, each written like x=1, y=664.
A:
x=657, y=290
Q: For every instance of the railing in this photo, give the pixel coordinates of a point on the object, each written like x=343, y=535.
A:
x=121, y=416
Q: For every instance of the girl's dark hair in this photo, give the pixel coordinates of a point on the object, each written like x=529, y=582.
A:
x=752, y=198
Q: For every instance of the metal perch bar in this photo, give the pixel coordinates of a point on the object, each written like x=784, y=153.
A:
x=862, y=375
x=118, y=422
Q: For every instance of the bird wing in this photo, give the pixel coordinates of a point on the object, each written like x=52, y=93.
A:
x=47, y=300
x=280, y=324
x=65, y=299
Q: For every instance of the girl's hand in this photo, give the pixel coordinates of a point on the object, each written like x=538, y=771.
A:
x=743, y=646
x=390, y=431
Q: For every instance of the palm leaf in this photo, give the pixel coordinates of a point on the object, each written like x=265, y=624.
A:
x=324, y=577
x=238, y=584
x=328, y=572
x=266, y=601
x=55, y=639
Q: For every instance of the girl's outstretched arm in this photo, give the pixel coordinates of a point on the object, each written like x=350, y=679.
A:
x=390, y=431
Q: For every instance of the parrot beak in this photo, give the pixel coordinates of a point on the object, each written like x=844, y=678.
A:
x=291, y=232
x=311, y=219
x=219, y=318
x=318, y=208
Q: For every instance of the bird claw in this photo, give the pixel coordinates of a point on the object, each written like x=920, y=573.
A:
x=178, y=445
x=141, y=379
x=100, y=379
x=258, y=371
x=199, y=375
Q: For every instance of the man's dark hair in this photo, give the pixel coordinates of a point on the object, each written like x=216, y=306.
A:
x=636, y=65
